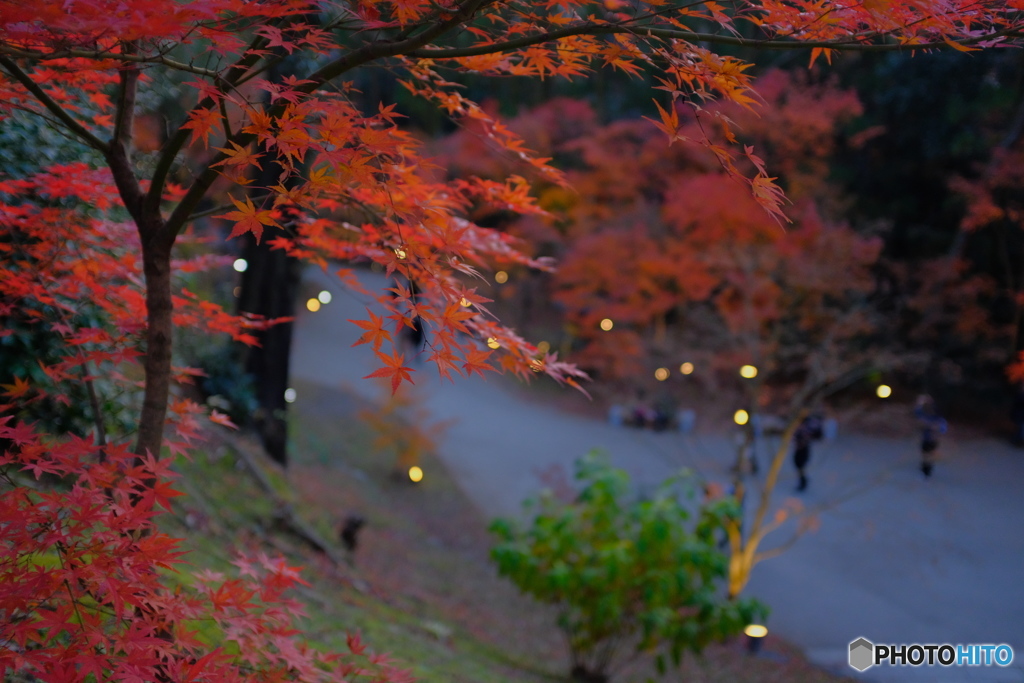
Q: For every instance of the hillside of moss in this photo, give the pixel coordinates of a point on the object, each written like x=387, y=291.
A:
x=419, y=585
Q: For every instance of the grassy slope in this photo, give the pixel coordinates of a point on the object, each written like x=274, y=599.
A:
x=419, y=586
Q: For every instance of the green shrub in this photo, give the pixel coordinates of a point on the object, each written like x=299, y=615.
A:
x=226, y=385
x=630, y=577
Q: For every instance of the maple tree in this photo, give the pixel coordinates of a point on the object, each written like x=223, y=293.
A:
x=84, y=588
x=83, y=593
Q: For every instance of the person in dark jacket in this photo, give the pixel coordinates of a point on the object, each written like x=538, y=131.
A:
x=802, y=439
x=932, y=425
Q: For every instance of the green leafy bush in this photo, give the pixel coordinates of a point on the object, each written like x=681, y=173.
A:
x=631, y=577
x=226, y=385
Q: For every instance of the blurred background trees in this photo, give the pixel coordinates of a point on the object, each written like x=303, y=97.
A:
x=905, y=244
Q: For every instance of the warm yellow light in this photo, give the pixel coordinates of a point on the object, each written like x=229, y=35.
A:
x=313, y=305
x=536, y=365
x=543, y=347
x=756, y=631
x=237, y=291
x=493, y=343
x=741, y=417
x=686, y=368
x=748, y=372
x=607, y=324
x=415, y=474
x=661, y=374
x=464, y=302
x=400, y=253
x=324, y=297
x=883, y=391
x=501, y=277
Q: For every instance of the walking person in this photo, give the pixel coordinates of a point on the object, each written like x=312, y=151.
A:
x=932, y=425
x=802, y=452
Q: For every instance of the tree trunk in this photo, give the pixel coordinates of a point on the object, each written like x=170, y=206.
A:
x=269, y=287
x=156, y=266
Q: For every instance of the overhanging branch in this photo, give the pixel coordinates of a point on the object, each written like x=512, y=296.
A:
x=854, y=45
x=170, y=150
x=157, y=60
x=362, y=55
x=79, y=131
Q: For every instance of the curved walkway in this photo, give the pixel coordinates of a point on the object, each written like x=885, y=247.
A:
x=897, y=560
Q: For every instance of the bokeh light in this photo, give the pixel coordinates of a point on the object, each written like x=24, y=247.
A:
x=543, y=347
x=686, y=368
x=289, y=395
x=756, y=631
x=748, y=372
x=493, y=343
x=464, y=302
x=883, y=391
x=501, y=277
x=313, y=305
x=240, y=265
x=324, y=297
x=237, y=291
x=415, y=474
x=607, y=324
x=661, y=374
x=741, y=417
x=400, y=253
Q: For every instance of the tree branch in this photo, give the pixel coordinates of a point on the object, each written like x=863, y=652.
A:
x=413, y=47
x=778, y=550
x=773, y=476
x=695, y=37
x=70, y=123
x=125, y=118
x=382, y=49
x=804, y=520
x=97, y=413
x=117, y=152
x=367, y=53
x=171, y=148
x=158, y=60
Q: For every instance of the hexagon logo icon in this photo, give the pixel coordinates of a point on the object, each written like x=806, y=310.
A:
x=862, y=654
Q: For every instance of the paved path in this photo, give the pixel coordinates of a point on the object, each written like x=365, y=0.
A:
x=899, y=560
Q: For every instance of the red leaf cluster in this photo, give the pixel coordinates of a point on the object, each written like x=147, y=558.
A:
x=89, y=587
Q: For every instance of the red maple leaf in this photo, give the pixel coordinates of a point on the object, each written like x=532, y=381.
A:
x=394, y=370
x=375, y=333
x=222, y=419
x=16, y=390
x=249, y=219
x=476, y=361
